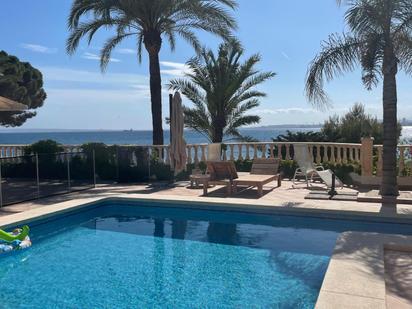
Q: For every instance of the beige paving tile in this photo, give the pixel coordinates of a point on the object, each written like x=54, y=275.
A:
x=330, y=300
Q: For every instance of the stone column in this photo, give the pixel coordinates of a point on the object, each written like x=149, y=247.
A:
x=367, y=156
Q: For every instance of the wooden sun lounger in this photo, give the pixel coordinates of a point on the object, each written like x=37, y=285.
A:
x=222, y=173
x=263, y=172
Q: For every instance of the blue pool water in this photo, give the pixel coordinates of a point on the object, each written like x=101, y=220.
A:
x=130, y=256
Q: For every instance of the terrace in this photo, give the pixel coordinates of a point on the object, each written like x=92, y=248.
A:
x=386, y=253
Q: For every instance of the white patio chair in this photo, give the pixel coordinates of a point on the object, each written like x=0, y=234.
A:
x=306, y=166
x=311, y=171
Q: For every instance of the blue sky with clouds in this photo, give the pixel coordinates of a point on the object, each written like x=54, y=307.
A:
x=287, y=34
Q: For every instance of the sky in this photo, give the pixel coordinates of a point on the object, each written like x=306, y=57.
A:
x=287, y=35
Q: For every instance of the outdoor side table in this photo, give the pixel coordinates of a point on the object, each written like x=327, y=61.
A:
x=200, y=179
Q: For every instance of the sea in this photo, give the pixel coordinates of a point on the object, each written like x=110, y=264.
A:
x=137, y=137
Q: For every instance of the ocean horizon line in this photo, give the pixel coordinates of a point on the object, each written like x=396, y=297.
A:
x=45, y=130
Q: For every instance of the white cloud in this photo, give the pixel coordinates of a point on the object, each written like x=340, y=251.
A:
x=176, y=69
x=285, y=110
x=126, y=51
x=39, y=48
x=92, y=56
x=285, y=55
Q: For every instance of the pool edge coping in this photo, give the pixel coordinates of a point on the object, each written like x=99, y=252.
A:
x=259, y=207
x=355, y=277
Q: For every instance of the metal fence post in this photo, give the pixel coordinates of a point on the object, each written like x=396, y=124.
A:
x=1, y=188
x=94, y=168
x=68, y=171
x=148, y=161
x=37, y=175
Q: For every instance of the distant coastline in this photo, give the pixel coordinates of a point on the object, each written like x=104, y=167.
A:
x=48, y=130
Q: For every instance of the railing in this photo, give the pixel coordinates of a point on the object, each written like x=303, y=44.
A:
x=321, y=152
x=404, y=155
x=28, y=177
x=363, y=153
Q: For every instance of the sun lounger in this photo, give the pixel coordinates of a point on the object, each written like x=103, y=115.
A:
x=306, y=167
x=326, y=177
x=263, y=172
x=309, y=170
x=222, y=173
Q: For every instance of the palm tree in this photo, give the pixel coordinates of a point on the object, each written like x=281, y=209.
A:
x=380, y=40
x=222, y=91
x=148, y=21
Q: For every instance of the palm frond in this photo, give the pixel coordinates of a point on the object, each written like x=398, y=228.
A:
x=338, y=55
x=221, y=89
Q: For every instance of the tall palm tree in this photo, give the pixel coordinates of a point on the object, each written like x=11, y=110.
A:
x=222, y=90
x=148, y=21
x=380, y=40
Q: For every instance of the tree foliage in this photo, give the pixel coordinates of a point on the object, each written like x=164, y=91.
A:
x=300, y=136
x=379, y=41
x=47, y=146
x=349, y=128
x=354, y=125
x=375, y=26
x=20, y=82
x=148, y=22
x=222, y=90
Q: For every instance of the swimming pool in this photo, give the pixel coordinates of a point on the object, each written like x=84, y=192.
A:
x=129, y=255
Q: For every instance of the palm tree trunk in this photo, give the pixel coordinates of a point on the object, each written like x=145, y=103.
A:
x=389, y=185
x=156, y=98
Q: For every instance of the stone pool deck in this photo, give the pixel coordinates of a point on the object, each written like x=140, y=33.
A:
x=283, y=198
x=364, y=269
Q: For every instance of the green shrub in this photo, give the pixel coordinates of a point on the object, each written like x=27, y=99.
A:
x=43, y=147
x=243, y=165
x=288, y=168
x=105, y=160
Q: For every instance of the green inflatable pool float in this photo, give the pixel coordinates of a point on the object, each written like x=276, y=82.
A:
x=8, y=237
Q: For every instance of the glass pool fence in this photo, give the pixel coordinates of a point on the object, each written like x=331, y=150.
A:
x=28, y=177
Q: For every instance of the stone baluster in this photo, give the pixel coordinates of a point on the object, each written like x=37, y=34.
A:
x=255, y=150
x=312, y=152
x=288, y=152
x=224, y=155
x=332, y=154
x=318, y=158
x=196, y=147
x=240, y=157
x=344, y=154
x=271, y=151
x=232, y=157
x=401, y=160
x=189, y=154
x=167, y=155
x=247, y=152
x=380, y=161
x=338, y=155
x=203, y=158
x=263, y=155
x=279, y=154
